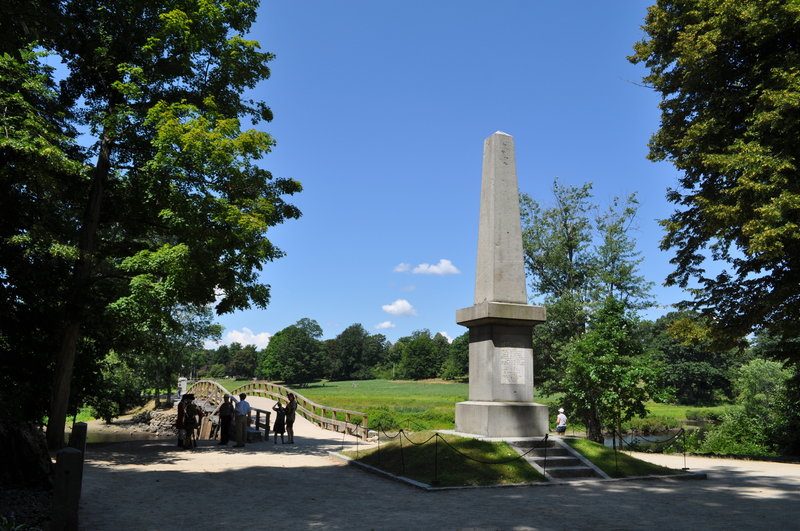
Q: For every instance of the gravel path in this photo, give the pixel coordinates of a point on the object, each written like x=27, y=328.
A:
x=152, y=485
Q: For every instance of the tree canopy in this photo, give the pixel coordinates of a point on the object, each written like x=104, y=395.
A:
x=697, y=372
x=608, y=379
x=293, y=355
x=162, y=205
x=729, y=80
x=576, y=257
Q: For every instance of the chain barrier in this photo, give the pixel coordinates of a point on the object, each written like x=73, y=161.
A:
x=401, y=434
x=635, y=439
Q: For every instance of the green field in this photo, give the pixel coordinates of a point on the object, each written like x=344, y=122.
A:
x=424, y=405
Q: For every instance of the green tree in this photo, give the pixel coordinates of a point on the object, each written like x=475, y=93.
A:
x=749, y=428
x=456, y=365
x=608, y=380
x=730, y=87
x=556, y=243
x=690, y=364
x=158, y=343
x=419, y=356
x=292, y=356
x=575, y=259
x=310, y=326
x=441, y=347
x=119, y=389
x=223, y=355
x=244, y=362
x=354, y=354
x=616, y=260
x=39, y=177
x=167, y=200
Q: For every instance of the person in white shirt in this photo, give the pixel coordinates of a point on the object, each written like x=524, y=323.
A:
x=561, y=422
x=242, y=410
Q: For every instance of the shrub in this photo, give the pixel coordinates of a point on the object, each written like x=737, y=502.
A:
x=382, y=419
x=216, y=371
x=738, y=434
x=649, y=425
x=703, y=414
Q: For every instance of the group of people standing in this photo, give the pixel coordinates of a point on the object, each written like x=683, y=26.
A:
x=188, y=421
x=238, y=416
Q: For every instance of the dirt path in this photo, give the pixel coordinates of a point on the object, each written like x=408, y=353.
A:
x=144, y=485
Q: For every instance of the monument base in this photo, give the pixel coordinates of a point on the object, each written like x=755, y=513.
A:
x=502, y=419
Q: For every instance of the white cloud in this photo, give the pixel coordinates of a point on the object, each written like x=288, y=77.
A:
x=211, y=345
x=399, y=307
x=247, y=337
x=384, y=325
x=402, y=267
x=448, y=338
x=219, y=294
x=444, y=267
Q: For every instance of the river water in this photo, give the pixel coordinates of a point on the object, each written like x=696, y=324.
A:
x=639, y=440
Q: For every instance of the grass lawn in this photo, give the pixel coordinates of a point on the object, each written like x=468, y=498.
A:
x=412, y=405
x=617, y=464
x=678, y=411
x=415, y=405
x=448, y=460
x=424, y=405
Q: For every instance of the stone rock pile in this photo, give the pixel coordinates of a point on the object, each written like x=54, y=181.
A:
x=160, y=422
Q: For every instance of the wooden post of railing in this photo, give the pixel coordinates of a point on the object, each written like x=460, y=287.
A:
x=77, y=440
x=66, y=489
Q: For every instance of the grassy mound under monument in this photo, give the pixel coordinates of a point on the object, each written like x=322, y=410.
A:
x=617, y=464
x=446, y=460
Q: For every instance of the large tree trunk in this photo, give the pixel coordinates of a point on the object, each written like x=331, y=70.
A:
x=76, y=305
x=594, y=428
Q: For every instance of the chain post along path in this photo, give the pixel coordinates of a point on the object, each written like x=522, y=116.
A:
x=153, y=484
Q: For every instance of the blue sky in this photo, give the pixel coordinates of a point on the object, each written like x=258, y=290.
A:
x=381, y=110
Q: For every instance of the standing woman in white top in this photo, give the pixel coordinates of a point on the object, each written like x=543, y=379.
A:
x=561, y=422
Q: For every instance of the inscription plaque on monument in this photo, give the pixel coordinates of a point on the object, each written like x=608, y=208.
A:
x=512, y=365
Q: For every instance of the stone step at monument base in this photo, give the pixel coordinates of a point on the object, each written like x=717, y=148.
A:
x=537, y=443
x=556, y=451
x=571, y=472
x=557, y=461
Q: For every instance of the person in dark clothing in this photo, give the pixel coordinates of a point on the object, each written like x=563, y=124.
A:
x=179, y=419
x=191, y=422
x=280, y=419
x=291, y=408
x=225, y=420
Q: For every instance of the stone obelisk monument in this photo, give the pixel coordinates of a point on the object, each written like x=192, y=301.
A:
x=501, y=321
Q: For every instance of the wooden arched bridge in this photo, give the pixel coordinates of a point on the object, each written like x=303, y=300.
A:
x=209, y=395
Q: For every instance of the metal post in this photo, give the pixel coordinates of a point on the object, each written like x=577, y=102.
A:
x=402, y=457
x=436, y=460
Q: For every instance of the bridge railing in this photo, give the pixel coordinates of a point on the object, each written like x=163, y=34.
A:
x=329, y=418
